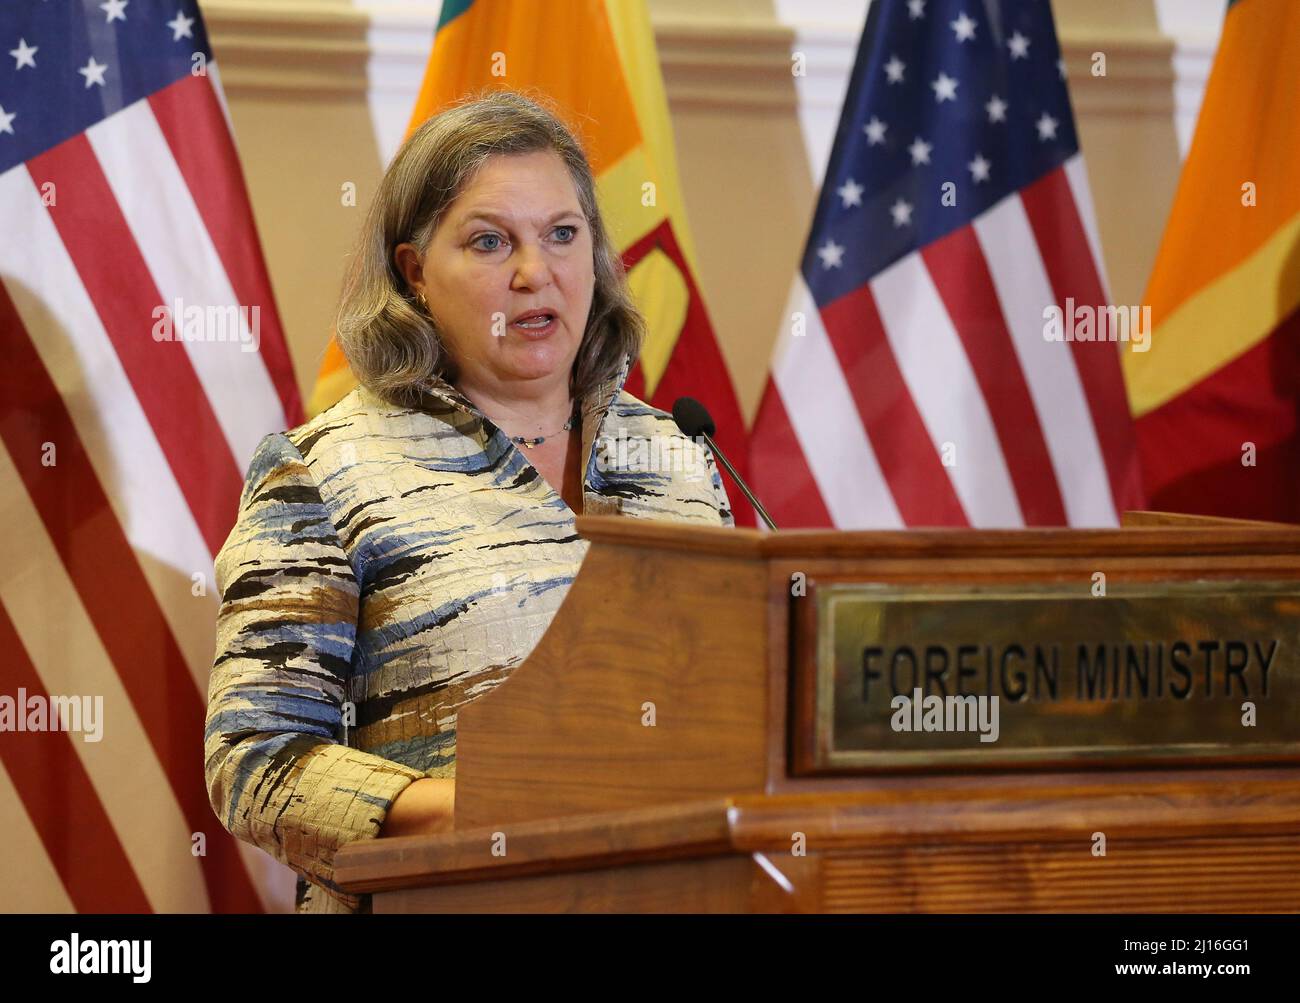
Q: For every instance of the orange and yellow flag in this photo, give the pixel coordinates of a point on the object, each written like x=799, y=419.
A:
x=1216, y=397
x=596, y=59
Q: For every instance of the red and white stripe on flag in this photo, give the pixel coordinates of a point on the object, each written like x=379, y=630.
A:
x=122, y=463
x=932, y=397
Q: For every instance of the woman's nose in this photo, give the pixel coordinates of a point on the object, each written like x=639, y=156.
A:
x=532, y=271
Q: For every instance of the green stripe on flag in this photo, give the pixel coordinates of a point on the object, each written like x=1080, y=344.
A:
x=452, y=9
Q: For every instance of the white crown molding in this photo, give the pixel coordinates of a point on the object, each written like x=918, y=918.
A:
x=744, y=65
x=279, y=47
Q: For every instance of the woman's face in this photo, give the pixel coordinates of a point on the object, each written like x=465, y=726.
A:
x=514, y=242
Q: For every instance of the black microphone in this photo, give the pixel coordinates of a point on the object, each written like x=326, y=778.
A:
x=693, y=419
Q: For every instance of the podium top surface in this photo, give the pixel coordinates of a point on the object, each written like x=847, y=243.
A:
x=1144, y=533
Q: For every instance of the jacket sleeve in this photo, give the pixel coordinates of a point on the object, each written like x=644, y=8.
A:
x=279, y=772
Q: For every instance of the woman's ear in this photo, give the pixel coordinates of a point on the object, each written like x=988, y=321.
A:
x=407, y=259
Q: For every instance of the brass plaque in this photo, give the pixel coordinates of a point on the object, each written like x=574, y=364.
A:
x=984, y=676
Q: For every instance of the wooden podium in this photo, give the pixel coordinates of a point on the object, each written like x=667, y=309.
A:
x=661, y=750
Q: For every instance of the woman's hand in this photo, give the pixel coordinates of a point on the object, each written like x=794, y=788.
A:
x=425, y=806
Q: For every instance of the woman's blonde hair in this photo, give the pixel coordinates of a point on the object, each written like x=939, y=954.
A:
x=389, y=337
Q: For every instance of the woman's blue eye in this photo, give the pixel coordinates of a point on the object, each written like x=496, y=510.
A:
x=566, y=234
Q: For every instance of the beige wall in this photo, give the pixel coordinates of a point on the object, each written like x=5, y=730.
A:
x=319, y=91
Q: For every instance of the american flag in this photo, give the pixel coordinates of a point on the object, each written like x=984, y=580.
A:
x=914, y=383
x=143, y=361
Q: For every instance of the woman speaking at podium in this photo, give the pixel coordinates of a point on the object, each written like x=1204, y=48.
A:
x=401, y=553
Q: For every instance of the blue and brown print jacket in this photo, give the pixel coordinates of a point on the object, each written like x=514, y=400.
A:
x=389, y=565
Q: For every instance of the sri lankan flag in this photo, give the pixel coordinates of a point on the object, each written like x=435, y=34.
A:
x=596, y=59
x=1215, y=397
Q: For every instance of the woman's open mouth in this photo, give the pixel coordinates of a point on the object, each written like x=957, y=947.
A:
x=536, y=324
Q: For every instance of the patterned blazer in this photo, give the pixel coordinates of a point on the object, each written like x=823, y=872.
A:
x=388, y=566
